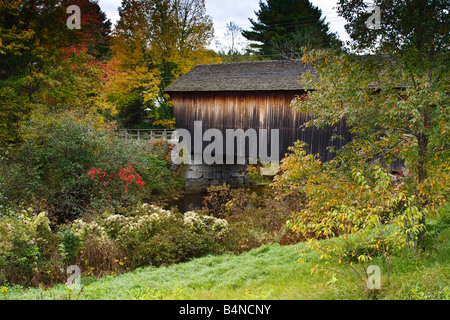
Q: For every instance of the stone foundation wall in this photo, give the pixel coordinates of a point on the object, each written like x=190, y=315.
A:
x=208, y=175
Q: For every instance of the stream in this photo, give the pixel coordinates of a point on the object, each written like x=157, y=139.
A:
x=188, y=202
x=192, y=201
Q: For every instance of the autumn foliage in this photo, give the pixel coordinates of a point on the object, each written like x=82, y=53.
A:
x=45, y=66
x=127, y=176
x=154, y=43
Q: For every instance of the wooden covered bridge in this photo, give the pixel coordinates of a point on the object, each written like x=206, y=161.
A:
x=247, y=95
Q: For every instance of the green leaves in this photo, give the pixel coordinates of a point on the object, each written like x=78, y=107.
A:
x=154, y=43
x=286, y=28
x=45, y=67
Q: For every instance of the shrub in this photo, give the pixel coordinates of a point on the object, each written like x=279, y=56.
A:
x=149, y=160
x=255, y=218
x=32, y=253
x=367, y=213
x=69, y=246
x=256, y=178
x=50, y=166
x=150, y=235
x=69, y=164
x=224, y=201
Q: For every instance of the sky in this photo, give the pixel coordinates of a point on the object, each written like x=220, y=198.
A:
x=239, y=11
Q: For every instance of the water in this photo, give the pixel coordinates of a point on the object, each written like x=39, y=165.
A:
x=193, y=201
x=188, y=202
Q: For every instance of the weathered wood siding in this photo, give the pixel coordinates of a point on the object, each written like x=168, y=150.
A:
x=254, y=110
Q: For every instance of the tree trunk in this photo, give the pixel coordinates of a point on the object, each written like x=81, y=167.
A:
x=422, y=141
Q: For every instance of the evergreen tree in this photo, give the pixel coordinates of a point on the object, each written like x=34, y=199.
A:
x=133, y=112
x=286, y=27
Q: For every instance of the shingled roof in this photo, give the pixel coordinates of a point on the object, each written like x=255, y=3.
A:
x=243, y=76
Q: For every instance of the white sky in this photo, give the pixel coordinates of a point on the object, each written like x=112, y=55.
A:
x=239, y=11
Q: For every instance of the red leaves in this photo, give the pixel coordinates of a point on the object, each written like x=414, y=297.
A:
x=127, y=175
x=92, y=173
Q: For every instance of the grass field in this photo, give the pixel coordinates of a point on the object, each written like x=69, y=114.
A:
x=271, y=272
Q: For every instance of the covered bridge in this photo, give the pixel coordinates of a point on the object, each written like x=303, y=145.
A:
x=250, y=95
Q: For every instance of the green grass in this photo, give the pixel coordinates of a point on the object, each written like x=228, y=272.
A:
x=271, y=272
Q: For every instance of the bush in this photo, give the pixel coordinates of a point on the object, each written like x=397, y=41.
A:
x=256, y=218
x=70, y=164
x=150, y=161
x=368, y=213
x=256, y=178
x=58, y=152
x=29, y=252
x=32, y=253
x=150, y=235
x=224, y=201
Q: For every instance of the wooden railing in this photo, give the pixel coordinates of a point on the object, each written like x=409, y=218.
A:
x=146, y=134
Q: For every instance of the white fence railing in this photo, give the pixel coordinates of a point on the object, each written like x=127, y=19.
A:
x=147, y=134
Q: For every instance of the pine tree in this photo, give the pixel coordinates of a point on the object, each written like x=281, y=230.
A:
x=286, y=27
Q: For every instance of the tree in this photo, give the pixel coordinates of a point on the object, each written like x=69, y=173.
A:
x=133, y=113
x=157, y=41
x=394, y=97
x=30, y=33
x=362, y=212
x=45, y=66
x=233, y=32
x=233, y=47
x=95, y=29
x=286, y=27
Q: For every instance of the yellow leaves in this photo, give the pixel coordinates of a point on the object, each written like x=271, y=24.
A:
x=156, y=43
x=168, y=123
x=314, y=269
x=137, y=77
x=190, y=59
x=363, y=258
